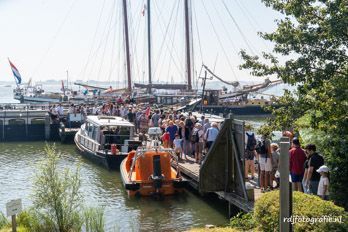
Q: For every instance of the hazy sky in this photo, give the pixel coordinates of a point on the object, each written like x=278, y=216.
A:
x=46, y=38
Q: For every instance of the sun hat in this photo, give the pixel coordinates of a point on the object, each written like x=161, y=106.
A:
x=323, y=168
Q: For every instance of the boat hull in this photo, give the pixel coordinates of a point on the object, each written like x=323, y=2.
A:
x=109, y=160
x=147, y=187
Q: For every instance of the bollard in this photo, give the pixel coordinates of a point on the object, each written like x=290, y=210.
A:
x=284, y=185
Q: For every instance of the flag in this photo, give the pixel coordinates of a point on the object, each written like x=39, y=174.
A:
x=16, y=74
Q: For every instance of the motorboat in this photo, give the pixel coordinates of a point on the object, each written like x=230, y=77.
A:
x=106, y=140
x=148, y=171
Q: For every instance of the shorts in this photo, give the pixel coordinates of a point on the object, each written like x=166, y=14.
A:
x=265, y=164
x=296, y=178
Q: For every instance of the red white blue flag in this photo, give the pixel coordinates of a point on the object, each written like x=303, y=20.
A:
x=16, y=74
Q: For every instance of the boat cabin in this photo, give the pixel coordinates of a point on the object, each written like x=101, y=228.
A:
x=108, y=130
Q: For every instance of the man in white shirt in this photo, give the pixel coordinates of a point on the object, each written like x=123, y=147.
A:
x=211, y=134
x=60, y=110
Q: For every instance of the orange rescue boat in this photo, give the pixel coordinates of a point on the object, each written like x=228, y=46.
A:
x=148, y=172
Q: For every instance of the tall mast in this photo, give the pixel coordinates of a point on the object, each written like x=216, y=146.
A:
x=149, y=42
x=125, y=18
x=188, y=45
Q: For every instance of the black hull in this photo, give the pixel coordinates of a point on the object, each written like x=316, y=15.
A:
x=109, y=161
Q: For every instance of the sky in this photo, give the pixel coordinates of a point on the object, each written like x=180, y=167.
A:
x=84, y=39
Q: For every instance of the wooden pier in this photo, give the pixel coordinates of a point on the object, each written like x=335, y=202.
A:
x=222, y=169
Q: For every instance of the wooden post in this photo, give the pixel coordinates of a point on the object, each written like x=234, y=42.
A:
x=14, y=223
x=284, y=185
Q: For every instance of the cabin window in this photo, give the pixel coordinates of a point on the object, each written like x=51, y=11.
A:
x=94, y=133
x=16, y=122
x=38, y=121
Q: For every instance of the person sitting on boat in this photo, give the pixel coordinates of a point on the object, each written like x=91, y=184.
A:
x=177, y=142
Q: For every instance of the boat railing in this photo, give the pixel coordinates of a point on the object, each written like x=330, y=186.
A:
x=88, y=142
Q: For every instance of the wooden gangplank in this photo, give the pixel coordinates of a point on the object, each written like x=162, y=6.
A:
x=222, y=170
x=190, y=170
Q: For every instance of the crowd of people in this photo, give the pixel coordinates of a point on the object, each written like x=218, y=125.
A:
x=185, y=133
x=307, y=170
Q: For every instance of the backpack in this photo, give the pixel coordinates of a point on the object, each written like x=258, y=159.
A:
x=261, y=148
x=251, y=142
x=195, y=136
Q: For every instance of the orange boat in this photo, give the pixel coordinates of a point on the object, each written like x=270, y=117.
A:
x=148, y=172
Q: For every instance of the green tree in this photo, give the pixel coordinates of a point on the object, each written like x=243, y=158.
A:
x=310, y=52
x=57, y=198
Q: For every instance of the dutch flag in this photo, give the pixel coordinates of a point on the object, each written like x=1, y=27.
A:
x=16, y=74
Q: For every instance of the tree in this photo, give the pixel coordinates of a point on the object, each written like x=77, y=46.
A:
x=312, y=38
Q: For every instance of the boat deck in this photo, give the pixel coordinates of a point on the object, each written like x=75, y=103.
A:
x=190, y=169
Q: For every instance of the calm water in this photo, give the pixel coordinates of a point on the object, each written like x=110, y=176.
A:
x=103, y=188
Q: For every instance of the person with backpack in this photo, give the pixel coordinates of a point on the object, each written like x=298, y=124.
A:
x=263, y=150
x=198, y=140
x=315, y=161
x=250, y=155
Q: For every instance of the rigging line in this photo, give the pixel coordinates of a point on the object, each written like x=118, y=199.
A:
x=135, y=42
x=164, y=39
x=172, y=41
x=198, y=36
x=238, y=28
x=83, y=71
x=107, y=38
x=54, y=38
x=111, y=70
x=251, y=20
x=170, y=49
x=220, y=43
x=106, y=31
x=226, y=30
x=174, y=33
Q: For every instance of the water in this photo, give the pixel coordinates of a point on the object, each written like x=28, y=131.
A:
x=100, y=187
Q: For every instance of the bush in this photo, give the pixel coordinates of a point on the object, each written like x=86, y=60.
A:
x=243, y=221
x=3, y=221
x=57, y=197
x=266, y=213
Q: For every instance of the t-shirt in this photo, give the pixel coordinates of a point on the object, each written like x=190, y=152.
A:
x=297, y=160
x=155, y=118
x=275, y=160
x=177, y=143
x=211, y=134
x=172, y=131
x=315, y=161
x=323, y=181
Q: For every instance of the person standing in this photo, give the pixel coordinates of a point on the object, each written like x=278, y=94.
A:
x=265, y=161
x=275, y=164
x=211, y=134
x=250, y=155
x=323, y=187
x=315, y=161
x=297, y=159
